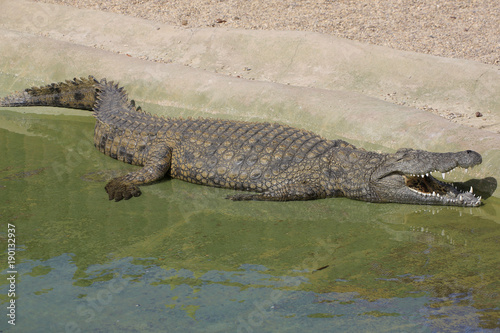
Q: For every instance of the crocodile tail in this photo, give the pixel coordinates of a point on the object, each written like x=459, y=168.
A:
x=75, y=94
x=112, y=104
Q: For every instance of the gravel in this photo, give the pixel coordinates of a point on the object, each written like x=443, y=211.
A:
x=454, y=29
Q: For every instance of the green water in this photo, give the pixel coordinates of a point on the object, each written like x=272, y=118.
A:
x=181, y=258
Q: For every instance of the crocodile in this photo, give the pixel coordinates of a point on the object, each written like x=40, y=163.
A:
x=273, y=161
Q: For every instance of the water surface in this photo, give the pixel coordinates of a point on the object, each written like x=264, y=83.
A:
x=182, y=258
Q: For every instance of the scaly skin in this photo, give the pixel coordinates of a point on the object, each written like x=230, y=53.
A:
x=275, y=161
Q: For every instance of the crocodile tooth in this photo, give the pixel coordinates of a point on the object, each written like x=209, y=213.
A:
x=442, y=174
x=433, y=193
x=466, y=170
x=471, y=190
x=460, y=198
x=427, y=174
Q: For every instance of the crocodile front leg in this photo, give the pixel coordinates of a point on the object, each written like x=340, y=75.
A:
x=157, y=164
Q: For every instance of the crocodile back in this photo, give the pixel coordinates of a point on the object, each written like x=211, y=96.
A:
x=244, y=155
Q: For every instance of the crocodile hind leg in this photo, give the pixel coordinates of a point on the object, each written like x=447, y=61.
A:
x=157, y=164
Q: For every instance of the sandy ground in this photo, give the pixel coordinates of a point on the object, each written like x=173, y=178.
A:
x=455, y=29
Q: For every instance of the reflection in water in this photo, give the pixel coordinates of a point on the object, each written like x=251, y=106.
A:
x=134, y=295
x=181, y=256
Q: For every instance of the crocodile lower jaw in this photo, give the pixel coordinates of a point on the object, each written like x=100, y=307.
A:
x=440, y=192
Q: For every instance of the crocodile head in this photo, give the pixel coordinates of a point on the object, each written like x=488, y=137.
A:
x=405, y=177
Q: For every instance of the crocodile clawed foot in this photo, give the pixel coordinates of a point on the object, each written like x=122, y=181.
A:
x=118, y=191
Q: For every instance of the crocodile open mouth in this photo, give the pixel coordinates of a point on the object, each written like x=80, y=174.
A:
x=428, y=186
x=425, y=184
